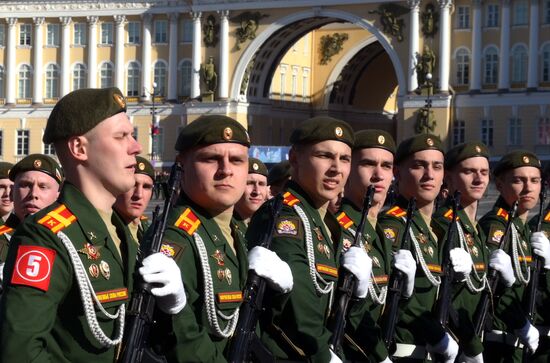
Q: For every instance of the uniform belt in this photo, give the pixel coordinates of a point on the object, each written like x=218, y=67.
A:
x=502, y=337
x=411, y=351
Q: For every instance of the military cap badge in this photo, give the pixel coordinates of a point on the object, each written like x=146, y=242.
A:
x=227, y=133
x=37, y=163
x=478, y=149
x=381, y=139
x=141, y=166
x=338, y=132
x=525, y=160
x=255, y=166
x=429, y=141
x=119, y=100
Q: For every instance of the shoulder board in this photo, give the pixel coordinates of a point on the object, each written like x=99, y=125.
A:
x=188, y=221
x=396, y=212
x=58, y=219
x=502, y=213
x=547, y=217
x=449, y=215
x=5, y=229
x=344, y=220
x=290, y=199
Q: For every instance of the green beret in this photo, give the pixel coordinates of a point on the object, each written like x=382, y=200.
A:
x=38, y=162
x=322, y=128
x=255, y=166
x=465, y=151
x=212, y=129
x=366, y=139
x=279, y=172
x=5, y=169
x=80, y=111
x=417, y=143
x=143, y=166
x=516, y=159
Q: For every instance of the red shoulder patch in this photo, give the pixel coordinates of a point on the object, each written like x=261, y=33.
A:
x=397, y=212
x=33, y=267
x=58, y=219
x=5, y=229
x=502, y=213
x=344, y=220
x=547, y=217
x=449, y=215
x=188, y=221
x=290, y=199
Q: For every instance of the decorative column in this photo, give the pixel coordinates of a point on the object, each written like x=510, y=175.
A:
x=224, y=55
x=532, y=71
x=504, y=60
x=10, y=63
x=37, y=96
x=444, y=44
x=196, y=71
x=65, y=56
x=92, y=51
x=173, y=58
x=414, y=45
x=120, y=20
x=475, y=79
x=146, y=57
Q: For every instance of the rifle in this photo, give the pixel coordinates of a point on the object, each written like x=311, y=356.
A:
x=531, y=289
x=245, y=342
x=493, y=278
x=396, y=286
x=443, y=303
x=348, y=282
x=135, y=346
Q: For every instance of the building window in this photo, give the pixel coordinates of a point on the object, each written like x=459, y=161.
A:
x=294, y=82
x=305, y=84
x=52, y=81
x=463, y=17
x=133, y=79
x=53, y=35
x=158, y=142
x=459, y=132
x=487, y=132
x=187, y=31
x=546, y=63
x=521, y=13
x=514, y=131
x=22, y=142
x=1, y=81
x=160, y=78
x=185, y=78
x=79, y=34
x=492, y=16
x=490, y=74
x=106, y=74
x=79, y=77
x=543, y=131
x=25, y=34
x=283, y=81
x=1, y=142
x=24, y=81
x=462, y=67
x=106, y=33
x=519, y=64
x=161, y=31
x=2, y=35
x=134, y=32
x=49, y=149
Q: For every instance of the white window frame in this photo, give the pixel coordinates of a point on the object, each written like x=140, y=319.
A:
x=487, y=132
x=543, y=131
x=514, y=131
x=519, y=63
x=79, y=79
x=186, y=31
x=24, y=84
x=80, y=34
x=25, y=34
x=185, y=71
x=463, y=17
x=459, y=132
x=133, y=79
x=545, y=63
x=283, y=70
x=51, y=75
x=134, y=32
x=106, y=73
x=160, y=79
x=107, y=36
x=492, y=15
x=462, y=61
x=22, y=144
x=493, y=71
x=521, y=12
x=52, y=37
x=160, y=31
x=2, y=36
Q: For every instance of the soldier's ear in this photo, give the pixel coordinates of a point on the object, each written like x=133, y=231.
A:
x=78, y=147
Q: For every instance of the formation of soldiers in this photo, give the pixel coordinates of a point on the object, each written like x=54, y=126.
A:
x=70, y=234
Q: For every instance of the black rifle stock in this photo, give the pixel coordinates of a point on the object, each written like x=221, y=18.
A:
x=245, y=342
x=396, y=286
x=139, y=318
x=348, y=282
x=493, y=279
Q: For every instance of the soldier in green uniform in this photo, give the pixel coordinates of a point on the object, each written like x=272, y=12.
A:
x=517, y=178
x=203, y=239
x=277, y=177
x=69, y=268
x=131, y=205
x=371, y=164
x=294, y=327
x=255, y=194
x=419, y=172
x=6, y=204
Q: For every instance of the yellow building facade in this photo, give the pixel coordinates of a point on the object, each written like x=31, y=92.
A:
x=272, y=64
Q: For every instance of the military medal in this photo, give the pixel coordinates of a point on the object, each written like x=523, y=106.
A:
x=346, y=244
x=91, y=251
x=323, y=248
x=430, y=251
x=218, y=256
x=422, y=238
x=469, y=239
x=228, y=276
x=92, y=235
x=221, y=274
x=375, y=261
x=319, y=234
x=475, y=251
x=105, y=270
x=524, y=245
x=367, y=247
x=94, y=270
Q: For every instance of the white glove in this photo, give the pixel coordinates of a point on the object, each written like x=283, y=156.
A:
x=446, y=347
x=462, y=261
x=500, y=261
x=357, y=261
x=387, y=360
x=334, y=358
x=404, y=262
x=1, y=272
x=541, y=247
x=529, y=336
x=161, y=269
x=268, y=265
x=466, y=359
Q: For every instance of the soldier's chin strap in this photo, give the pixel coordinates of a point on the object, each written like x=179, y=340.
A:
x=88, y=297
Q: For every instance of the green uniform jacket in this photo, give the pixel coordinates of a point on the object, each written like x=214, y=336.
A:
x=464, y=300
x=7, y=230
x=47, y=323
x=194, y=338
x=239, y=222
x=294, y=326
x=417, y=324
x=362, y=327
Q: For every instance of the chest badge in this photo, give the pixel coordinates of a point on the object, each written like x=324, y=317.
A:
x=225, y=274
x=475, y=251
x=469, y=239
x=105, y=270
x=219, y=257
x=429, y=251
x=92, y=236
x=422, y=238
x=376, y=262
x=91, y=251
x=94, y=270
x=323, y=249
x=318, y=234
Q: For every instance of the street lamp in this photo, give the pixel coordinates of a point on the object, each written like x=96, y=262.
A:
x=424, y=119
x=155, y=131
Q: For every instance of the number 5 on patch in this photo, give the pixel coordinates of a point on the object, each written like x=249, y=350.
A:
x=33, y=267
